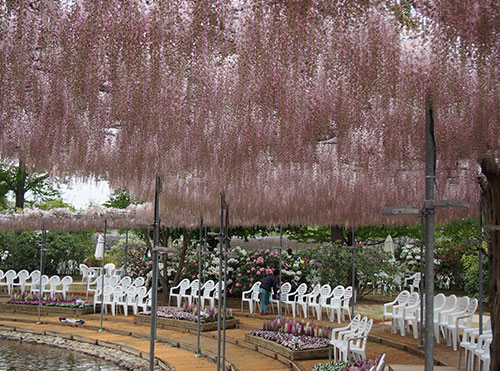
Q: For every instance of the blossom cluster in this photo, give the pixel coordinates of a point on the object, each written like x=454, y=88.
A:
x=293, y=342
x=293, y=327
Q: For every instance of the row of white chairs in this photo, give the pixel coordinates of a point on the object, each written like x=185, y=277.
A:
x=89, y=274
x=25, y=281
x=451, y=315
x=124, y=282
x=476, y=347
x=350, y=342
x=403, y=312
x=190, y=290
x=321, y=298
x=117, y=295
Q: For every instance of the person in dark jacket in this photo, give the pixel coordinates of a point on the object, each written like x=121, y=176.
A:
x=268, y=283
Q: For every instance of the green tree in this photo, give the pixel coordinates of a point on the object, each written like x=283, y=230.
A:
x=120, y=199
x=20, y=181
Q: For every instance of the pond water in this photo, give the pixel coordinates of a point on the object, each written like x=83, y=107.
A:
x=27, y=356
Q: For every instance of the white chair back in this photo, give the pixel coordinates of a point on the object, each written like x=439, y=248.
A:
x=324, y=293
x=138, y=282
x=125, y=282
x=338, y=292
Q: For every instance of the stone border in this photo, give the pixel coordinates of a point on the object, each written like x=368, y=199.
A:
x=183, y=325
x=267, y=346
x=123, y=356
x=45, y=310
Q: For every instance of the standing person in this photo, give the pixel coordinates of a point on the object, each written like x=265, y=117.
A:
x=268, y=283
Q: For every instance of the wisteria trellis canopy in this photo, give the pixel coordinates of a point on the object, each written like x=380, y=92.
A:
x=300, y=111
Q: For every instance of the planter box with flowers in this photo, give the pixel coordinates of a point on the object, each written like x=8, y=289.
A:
x=291, y=339
x=187, y=318
x=28, y=303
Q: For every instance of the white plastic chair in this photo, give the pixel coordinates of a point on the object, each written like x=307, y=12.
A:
x=45, y=282
x=346, y=300
x=216, y=293
x=297, y=299
x=482, y=352
x=284, y=290
x=311, y=299
x=54, y=281
x=337, y=334
x=143, y=299
x=130, y=300
x=469, y=343
x=459, y=322
x=251, y=296
x=357, y=348
x=182, y=287
x=22, y=277
x=119, y=299
x=439, y=303
x=335, y=304
x=206, y=292
x=34, y=280
x=402, y=298
x=2, y=282
x=84, y=270
x=109, y=269
x=405, y=314
x=10, y=276
x=194, y=286
x=459, y=310
x=415, y=282
x=324, y=294
x=66, y=283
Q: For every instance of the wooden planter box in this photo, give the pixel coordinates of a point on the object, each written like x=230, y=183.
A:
x=176, y=324
x=284, y=351
x=45, y=310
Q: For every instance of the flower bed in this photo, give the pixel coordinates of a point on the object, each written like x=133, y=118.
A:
x=28, y=303
x=187, y=318
x=365, y=364
x=291, y=339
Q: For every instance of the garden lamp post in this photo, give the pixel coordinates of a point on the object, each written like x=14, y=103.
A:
x=126, y=253
x=280, y=248
x=43, y=248
x=353, y=274
x=102, y=274
x=428, y=212
x=201, y=246
x=154, y=285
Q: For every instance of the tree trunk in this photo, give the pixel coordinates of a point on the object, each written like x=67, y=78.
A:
x=188, y=234
x=491, y=209
x=20, y=190
x=337, y=233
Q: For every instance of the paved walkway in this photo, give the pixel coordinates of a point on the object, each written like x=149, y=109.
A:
x=177, y=348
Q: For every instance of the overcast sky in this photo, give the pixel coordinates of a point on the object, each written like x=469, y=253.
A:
x=81, y=194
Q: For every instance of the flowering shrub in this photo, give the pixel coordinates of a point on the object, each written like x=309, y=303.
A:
x=138, y=265
x=293, y=327
x=293, y=342
x=47, y=300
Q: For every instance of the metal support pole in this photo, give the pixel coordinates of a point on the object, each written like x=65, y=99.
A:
x=198, y=352
x=102, y=276
x=225, y=291
x=40, y=292
x=480, y=268
x=154, y=285
x=126, y=253
x=421, y=333
x=430, y=173
x=353, y=278
x=219, y=286
x=281, y=259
